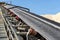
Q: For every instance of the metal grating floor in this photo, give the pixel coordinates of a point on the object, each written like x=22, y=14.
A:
x=3, y=34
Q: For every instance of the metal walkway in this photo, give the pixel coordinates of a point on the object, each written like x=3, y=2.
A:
x=3, y=34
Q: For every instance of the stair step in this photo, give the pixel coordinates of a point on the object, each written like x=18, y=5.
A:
x=4, y=39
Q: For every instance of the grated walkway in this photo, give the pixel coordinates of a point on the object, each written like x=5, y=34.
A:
x=3, y=34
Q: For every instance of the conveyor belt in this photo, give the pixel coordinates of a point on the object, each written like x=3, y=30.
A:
x=44, y=28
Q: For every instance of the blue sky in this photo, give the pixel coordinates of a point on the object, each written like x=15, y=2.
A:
x=39, y=6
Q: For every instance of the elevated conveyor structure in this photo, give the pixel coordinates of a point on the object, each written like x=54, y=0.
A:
x=47, y=28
